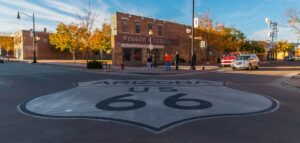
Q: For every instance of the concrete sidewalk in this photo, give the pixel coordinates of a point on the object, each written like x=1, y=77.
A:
x=160, y=70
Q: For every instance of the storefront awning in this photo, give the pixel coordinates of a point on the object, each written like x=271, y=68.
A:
x=126, y=45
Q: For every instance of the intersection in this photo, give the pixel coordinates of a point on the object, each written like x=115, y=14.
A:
x=60, y=104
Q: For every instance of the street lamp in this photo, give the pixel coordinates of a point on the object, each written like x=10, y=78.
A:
x=33, y=31
x=151, y=47
x=188, y=31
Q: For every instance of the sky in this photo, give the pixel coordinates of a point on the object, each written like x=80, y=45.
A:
x=245, y=15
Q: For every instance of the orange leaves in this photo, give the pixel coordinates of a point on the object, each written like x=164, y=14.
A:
x=7, y=43
x=73, y=37
x=101, y=39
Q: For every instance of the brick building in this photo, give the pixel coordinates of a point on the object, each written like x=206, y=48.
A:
x=44, y=50
x=131, y=39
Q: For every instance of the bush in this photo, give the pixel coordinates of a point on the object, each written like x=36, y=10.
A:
x=94, y=65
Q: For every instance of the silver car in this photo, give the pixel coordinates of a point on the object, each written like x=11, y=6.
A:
x=249, y=61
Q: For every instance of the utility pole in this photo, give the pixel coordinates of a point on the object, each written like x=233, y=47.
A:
x=193, y=60
x=273, y=33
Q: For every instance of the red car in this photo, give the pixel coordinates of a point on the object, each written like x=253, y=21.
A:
x=227, y=59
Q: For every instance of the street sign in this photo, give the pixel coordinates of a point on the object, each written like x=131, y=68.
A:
x=196, y=22
x=31, y=33
x=203, y=44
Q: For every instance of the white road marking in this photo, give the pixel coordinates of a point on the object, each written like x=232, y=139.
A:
x=154, y=104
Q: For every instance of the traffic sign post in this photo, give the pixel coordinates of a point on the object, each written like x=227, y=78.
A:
x=203, y=44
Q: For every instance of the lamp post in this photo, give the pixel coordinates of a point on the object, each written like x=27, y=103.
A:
x=193, y=36
x=272, y=34
x=33, y=32
x=151, y=46
x=188, y=31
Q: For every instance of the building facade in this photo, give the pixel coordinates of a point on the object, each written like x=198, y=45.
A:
x=131, y=39
x=44, y=50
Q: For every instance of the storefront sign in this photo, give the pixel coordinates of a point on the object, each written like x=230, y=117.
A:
x=139, y=39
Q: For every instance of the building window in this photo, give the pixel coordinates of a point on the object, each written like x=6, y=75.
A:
x=125, y=25
x=137, y=27
x=45, y=40
x=131, y=54
x=137, y=54
x=150, y=26
x=127, y=54
x=160, y=30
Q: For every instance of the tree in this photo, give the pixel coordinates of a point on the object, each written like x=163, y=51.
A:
x=68, y=37
x=253, y=47
x=283, y=46
x=7, y=43
x=87, y=21
x=219, y=38
x=100, y=41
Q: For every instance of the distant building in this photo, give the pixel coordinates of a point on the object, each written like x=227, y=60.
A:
x=131, y=39
x=44, y=50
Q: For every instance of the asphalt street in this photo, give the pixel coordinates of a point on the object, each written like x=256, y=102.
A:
x=239, y=106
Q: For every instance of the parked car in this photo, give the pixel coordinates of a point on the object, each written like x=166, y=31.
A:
x=248, y=61
x=227, y=59
x=1, y=59
x=288, y=58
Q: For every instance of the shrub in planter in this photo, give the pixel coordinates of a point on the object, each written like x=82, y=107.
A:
x=94, y=65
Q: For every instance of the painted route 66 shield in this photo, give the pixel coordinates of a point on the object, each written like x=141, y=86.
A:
x=152, y=104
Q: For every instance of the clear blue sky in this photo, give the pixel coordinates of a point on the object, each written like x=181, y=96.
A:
x=246, y=15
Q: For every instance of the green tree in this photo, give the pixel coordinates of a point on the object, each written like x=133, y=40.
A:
x=253, y=46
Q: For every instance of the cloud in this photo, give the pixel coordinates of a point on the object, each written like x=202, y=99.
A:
x=47, y=14
x=65, y=7
x=40, y=11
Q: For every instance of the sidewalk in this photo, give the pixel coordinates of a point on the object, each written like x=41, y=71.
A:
x=136, y=70
x=294, y=81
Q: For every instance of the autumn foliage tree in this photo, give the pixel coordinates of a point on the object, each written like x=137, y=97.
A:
x=100, y=40
x=68, y=38
x=219, y=38
x=7, y=43
x=283, y=46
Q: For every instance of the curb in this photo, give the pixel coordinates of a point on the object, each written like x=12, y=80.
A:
x=288, y=82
